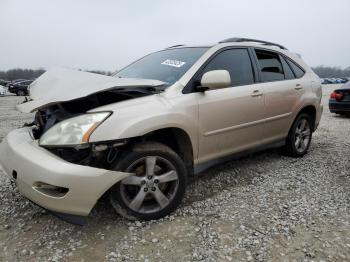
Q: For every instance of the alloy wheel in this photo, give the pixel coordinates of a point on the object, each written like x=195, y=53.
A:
x=302, y=135
x=152, y=186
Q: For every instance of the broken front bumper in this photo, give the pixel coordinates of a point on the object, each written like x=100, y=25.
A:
x=37, y=172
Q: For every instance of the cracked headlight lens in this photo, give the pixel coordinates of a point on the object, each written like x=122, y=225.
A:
x=73, y=131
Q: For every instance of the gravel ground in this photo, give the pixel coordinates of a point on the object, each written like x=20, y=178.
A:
x=265, y=207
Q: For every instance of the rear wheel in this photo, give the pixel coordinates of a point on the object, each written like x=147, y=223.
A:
x=299, y=136
x=156, y=186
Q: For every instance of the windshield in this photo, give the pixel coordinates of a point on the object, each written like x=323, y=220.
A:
x=167, y=65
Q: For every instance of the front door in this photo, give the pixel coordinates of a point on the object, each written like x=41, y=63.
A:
x=231, y=119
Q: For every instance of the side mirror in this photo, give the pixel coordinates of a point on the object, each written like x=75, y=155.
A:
x=216, y=79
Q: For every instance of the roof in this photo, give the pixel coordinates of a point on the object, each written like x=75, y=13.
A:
x=238, y=41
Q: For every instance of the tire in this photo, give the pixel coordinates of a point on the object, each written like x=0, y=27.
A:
x=20, y=93
x=298, y=141
x=344, y=114
x=161, y=186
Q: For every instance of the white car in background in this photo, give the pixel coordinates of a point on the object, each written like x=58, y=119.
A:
x=2, y=91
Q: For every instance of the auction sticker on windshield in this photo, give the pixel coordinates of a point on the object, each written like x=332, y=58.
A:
x=174, y=63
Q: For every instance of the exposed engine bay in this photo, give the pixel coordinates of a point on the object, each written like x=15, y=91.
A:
x=90, y=154
x=51, y=115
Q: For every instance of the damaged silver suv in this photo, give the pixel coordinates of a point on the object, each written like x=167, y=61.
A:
x=137, y=135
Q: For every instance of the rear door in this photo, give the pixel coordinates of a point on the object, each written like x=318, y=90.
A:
x=282, y=91
x=230, y=119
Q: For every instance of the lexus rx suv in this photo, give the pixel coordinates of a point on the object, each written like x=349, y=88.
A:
x=137, y=136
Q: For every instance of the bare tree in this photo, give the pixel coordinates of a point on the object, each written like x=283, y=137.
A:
x=326, y=71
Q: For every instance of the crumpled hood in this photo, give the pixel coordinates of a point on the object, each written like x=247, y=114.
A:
x=62, y=85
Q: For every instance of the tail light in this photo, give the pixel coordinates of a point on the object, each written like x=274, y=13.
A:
x=337, y=96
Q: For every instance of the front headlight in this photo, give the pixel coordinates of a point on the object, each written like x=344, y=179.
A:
x=73, y=131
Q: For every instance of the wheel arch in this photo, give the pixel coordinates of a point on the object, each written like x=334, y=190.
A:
x=311, y=111
x=175, y=138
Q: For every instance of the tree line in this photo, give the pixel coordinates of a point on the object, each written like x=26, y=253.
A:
x=329, y=72
x=30, y=74
x=18, y=73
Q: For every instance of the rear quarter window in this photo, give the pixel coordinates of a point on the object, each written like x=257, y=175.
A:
x=298, y=72
x=288, y=72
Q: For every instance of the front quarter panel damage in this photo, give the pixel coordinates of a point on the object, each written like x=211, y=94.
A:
x=138, y=117
x=32, y=164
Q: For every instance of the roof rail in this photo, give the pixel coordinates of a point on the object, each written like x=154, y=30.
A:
x=238, y=39
x=173, y=46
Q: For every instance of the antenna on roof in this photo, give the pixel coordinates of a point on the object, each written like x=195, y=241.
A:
x=238, y=40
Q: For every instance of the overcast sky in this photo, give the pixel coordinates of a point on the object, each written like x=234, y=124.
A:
x=107, y=35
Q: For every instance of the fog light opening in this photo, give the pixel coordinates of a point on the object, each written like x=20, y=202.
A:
x=14, y=174
x=50, y=190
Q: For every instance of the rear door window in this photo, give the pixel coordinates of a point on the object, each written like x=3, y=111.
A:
x=270, y=66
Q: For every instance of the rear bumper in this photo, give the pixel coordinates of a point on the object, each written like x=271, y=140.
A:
x=338, y=107
x=20, y=154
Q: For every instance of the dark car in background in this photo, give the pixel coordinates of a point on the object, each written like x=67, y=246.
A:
x=339, y=101
x=19, y=88
x=345, y=79
x=15, y=81
x=325, y=81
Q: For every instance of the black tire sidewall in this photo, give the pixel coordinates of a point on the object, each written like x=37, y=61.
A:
x=127, y=158
x=291, y=136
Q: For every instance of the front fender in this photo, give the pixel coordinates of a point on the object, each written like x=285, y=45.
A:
x=141, y=116
x=120, y=128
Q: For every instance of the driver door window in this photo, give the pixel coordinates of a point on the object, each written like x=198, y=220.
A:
x=237, y=62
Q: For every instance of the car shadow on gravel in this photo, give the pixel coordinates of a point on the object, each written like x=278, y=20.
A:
x=239, y=172
x=232, y=174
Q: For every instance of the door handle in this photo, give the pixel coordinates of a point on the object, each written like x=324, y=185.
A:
x=298, y=87
x=256, y=93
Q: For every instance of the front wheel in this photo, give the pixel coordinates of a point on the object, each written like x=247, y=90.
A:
x=299, y=136
x=156, y=186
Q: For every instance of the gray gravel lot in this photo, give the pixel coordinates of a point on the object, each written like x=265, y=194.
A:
x=265, y=207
